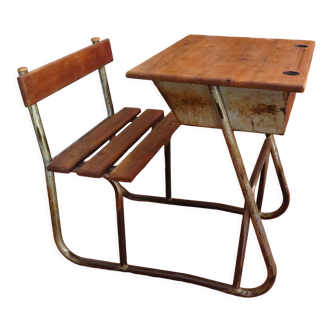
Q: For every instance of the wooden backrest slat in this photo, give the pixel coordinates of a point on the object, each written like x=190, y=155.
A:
x=118, y=146
x=91, y=141
x=131, y=166
x=46, y=80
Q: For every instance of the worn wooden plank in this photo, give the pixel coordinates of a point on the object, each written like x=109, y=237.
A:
x=132, y=165
x=66, y=161
x=46, y=80
x=117, y=147
x=255, y=63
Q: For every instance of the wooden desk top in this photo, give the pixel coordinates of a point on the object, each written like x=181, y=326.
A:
x=257, y=63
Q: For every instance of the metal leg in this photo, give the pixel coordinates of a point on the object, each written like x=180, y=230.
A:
x=241, y=248
x=259, y=168
x=121, y=225
x=245, y=186
x=262, y=182
x=57, y=234
x=168, y=184
x=282, y=181
x=104, y=85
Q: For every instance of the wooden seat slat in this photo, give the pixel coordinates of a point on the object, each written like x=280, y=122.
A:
x=133, y=164
x=67, y=160
x=118, y=146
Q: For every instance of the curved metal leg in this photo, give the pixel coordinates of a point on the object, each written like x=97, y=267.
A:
x=262, y=181
x=58, y=235
x=282, y=181
x=260, y=168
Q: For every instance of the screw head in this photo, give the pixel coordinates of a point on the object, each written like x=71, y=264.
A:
x=95, y=40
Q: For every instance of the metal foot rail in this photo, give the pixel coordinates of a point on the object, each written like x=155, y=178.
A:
x=260, y=170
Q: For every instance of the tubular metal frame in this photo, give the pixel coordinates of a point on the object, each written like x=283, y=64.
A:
x=251, y=210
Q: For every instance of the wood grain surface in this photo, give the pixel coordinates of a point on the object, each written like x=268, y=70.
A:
x=46, y=80
x=118, y=146
x=66, y=161
x=132, y=165
x=255, y=63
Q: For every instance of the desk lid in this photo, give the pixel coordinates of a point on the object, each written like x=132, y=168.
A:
x=257, y=63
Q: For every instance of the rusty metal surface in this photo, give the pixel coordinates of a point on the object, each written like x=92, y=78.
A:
x=191, y=103
x=282, y=181
x=182, y=202
x=120, y=222
x=261, y=187
x=106, y=91
x=244, y=232
x=290, y=102
x=251, y=110
x=260, y=168
x=40, y=134
x=254, y=110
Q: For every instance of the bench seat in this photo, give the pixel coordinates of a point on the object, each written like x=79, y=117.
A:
x=72, y=158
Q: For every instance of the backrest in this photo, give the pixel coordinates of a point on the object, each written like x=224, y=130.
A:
x=46, y=80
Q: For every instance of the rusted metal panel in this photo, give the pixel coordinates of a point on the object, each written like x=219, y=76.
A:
x=289, y=106
x=252, y=110
x=191, y=103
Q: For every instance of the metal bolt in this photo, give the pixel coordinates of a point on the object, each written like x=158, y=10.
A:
x=22, y=70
